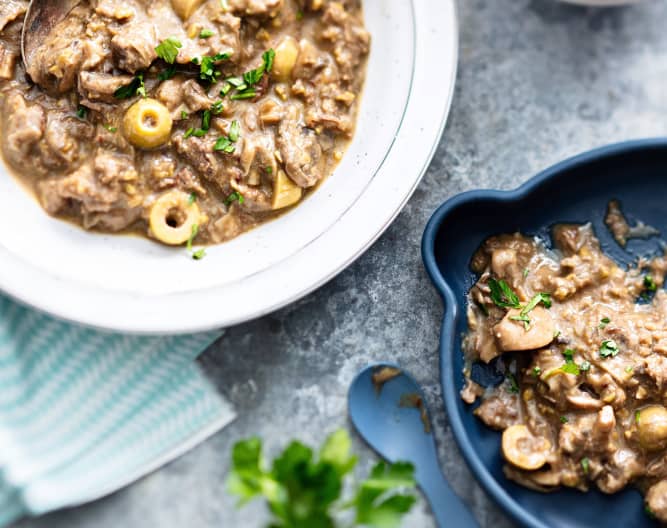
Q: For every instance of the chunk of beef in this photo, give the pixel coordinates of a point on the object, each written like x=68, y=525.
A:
x=63, y=138
x=351, y=42
x=656, y=500
x=170, y=93
x=255, y=7
x=115, y=10
x=23, y=127
x=55, y=65
x=215, y=167
x=11, y=10
x=94, y=191
x=134, y=48
x=101, y=86
x=195, y=97
x=301, y=152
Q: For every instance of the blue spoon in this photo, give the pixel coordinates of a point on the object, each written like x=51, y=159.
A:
x=392, y=419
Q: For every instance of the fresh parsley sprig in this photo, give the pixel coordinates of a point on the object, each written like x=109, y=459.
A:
x=305, y=489
x=167, y=50
x=136, y=87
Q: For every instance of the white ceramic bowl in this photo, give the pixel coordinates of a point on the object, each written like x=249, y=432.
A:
x=134, y=285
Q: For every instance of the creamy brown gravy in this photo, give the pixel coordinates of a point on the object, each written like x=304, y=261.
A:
x=291, y=134
x=583, y=403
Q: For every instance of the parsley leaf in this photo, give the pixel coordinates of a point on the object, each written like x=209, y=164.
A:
x=377, y=503
x=234, y=131
x=585, y=366
x=245, y=85
x=305, y=489
x=207, y=66
x=649, y=283
x=536, y=371
x=201, y=253
x=570, y=367
x=82, y=112
x=502, y=295
x=167, y=50
x=226, y=143
x=111, y=128
x=604, y=322
x=608, y=348
x=206, y=33
x=513, y=386
x=563, y=419
x=585, y=465
x=234, y=197
x=136, y=87
x=167, y=74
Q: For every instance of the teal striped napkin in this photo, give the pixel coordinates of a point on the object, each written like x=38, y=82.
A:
x=84, y=413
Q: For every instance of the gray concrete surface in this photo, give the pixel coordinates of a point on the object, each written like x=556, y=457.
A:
x=538, y=81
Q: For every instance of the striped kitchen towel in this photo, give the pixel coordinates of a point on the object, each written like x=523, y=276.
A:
x=84, y=413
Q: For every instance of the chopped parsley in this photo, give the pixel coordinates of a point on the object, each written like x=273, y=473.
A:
x=649, y=511
x=650, y=284
x=513, y=386
x=570, y=367
x=192, y=198
x=226, y=143
x=167, y=50
x=538, y=298
x=268, y=169
x=217, y=107
x=234, y=131
x=168, y=73
x=234, y=197
x=585, y=465
x=82, y=112
x=206, y=33
x=537, y=371
x=608, y=348
x=604, y=322
x=136, y=87
x=207, y=66
x=502, y=295
x=629, y=369
x=205, y=126
x=299, y=15
x=184, y=114
x=245, y=85
x=111, y=129
x=526, y=272
x=225, y=89
x=556, y=334
x=563, y=419
x=585, y=366
x=200, y=253
x=637, y=416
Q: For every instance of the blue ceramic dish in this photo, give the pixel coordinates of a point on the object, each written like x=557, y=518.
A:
x=576, y=190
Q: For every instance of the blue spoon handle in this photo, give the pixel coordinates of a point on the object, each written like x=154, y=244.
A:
x=448, y=509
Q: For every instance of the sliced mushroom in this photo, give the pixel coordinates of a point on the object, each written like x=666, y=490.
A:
x=524, y=450
x=512, y=334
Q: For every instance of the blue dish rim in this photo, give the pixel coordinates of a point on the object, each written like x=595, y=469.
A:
x=451, y=306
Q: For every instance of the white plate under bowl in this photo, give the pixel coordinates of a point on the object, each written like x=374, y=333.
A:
x=134, y=285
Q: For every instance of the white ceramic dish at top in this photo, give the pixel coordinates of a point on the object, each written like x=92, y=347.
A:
x=134, y=285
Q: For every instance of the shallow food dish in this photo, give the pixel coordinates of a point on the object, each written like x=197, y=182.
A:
x=128, y=284
x=577, y=191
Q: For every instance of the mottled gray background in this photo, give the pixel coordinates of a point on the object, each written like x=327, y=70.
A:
x=538, y=81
